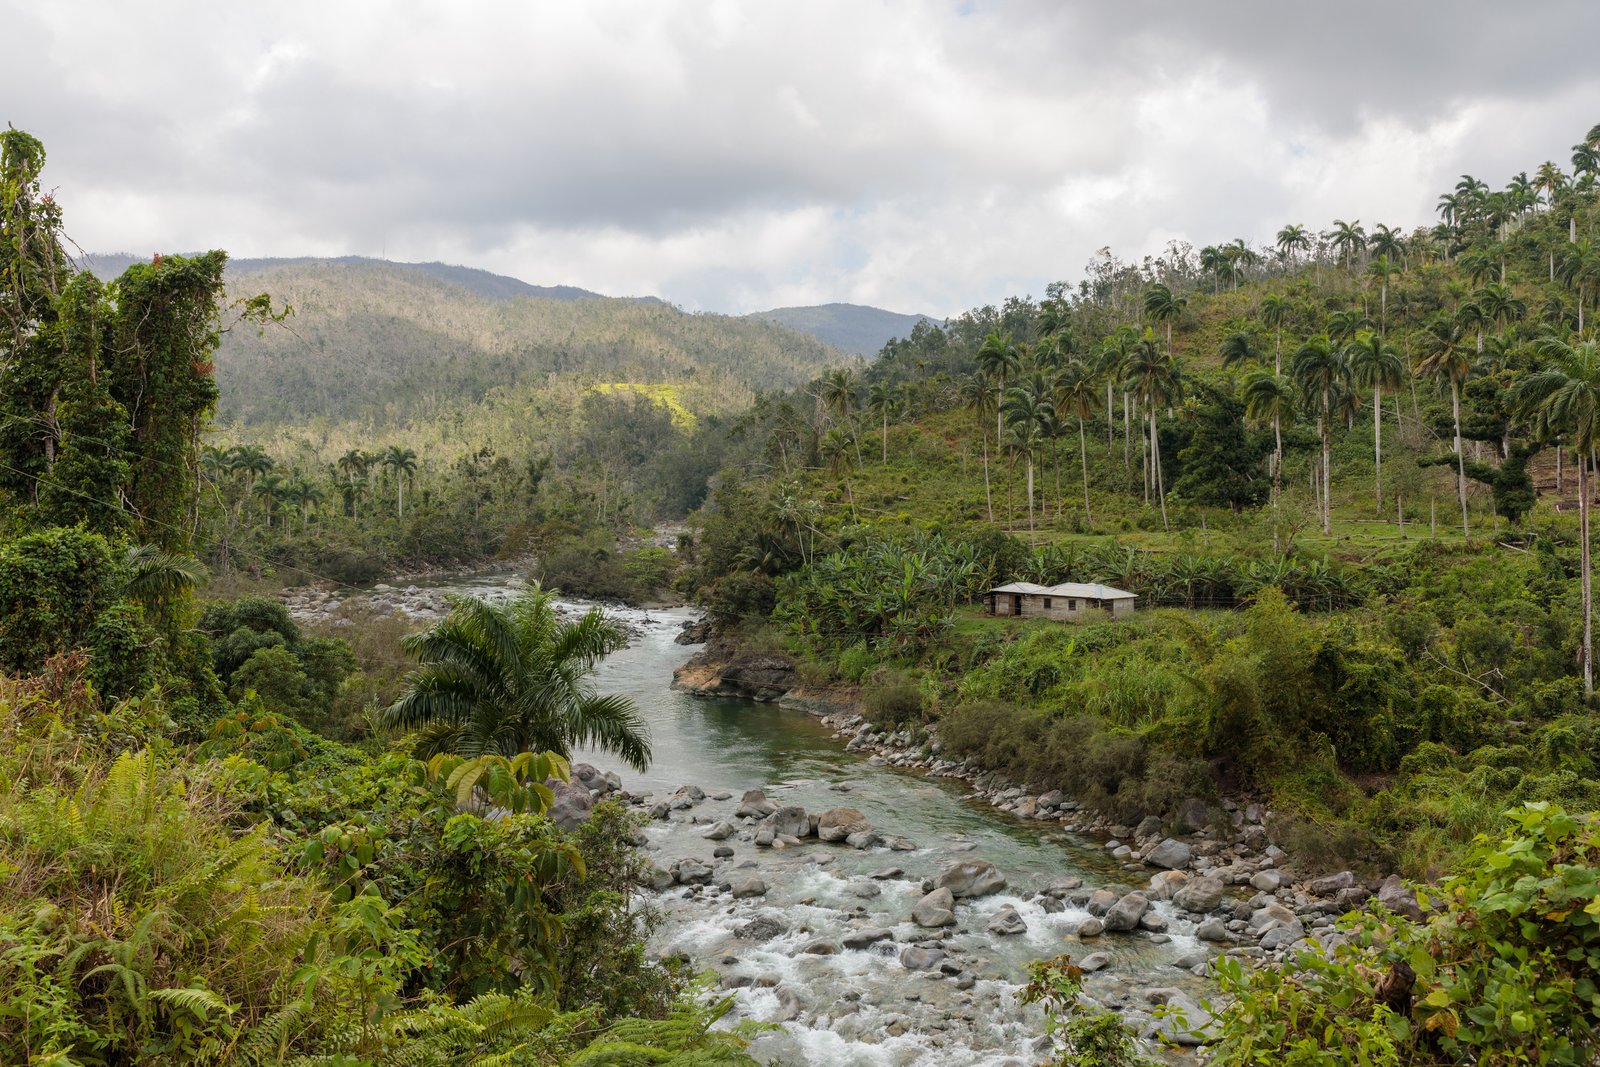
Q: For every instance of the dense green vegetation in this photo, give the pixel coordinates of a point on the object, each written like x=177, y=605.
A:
x=1351, y=472
x=195, y=865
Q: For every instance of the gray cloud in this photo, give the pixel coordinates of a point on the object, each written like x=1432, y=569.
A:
x=734, y=156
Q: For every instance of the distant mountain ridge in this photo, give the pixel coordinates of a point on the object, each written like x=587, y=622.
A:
x=855, y=328
x=482, y=282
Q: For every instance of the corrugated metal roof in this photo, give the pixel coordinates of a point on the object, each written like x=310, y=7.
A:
x=1082, y=590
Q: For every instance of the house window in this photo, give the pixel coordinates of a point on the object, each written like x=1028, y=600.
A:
x=1072, y=605
x=1047, y=603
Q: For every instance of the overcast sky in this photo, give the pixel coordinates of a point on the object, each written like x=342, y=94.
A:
x=739, y=156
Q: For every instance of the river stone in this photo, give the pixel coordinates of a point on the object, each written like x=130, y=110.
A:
x=1329, y=885
x=1154, y=922
x=865, y=890
x=902, y=844
x=1090, y=927
x=1100, y=901
x=1183, y=1022
x=1165, y=884
x=1026, y=808
x=656, y=878
x=1195, y=957
x=765, y=836
x=863, y=938
x=913, y=958
x=1266, y=881
x=722, y=852
x=721, y=794
x=720, y=832
x=935, y=910
x=691, y=872
x=792, y=822
x=1264, y=918
x=761, y=928
x=1126, y=913
x=973, y=878
x=1171, y=854
x=820, y=947
x=1282, y=936
x=1213, y=929
x=966, y=980
x=862, y=840
x=1094, y=961
x=755, y=805
x=1007, y=922
x=836, y=824
x=572, y=806
x=1060, y=887
x=1199, y=894
x=790, y=1006
x=749, y=887
x=692, y=793
x=1394, y=895
x=886, y=872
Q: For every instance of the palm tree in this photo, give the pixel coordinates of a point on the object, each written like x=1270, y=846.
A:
x=1499, y=305
x=270, y=488
x=1344, y=325
x=502, y=679
x=1383, y=268
x=1348, y=238
x=1029, y=413
x=1163, y=305
x=1563, y=398
x=1270, y=397
x=1580, y=268
x=403, y=461
x=1239, y=347
x=1320, y=371
x=352, y=463
x=1447, y=356
x=1275, y=311
x=1153, y=377
x=155, y=579
x=1077, y=393
x=997, y=357
x=1388, y=242
x=883, y=402
x=976, y=397
x=1375, y=364
x=1214, y=261
x=1549, y=180
x=1293, y=238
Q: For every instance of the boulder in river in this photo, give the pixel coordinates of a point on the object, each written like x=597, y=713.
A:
x=1329, y=885
x=792, y=822
x=913, y=958
x=935, y=910
x=863, y=938
x=720, y=832
x=572, y=806
x=1170, y=854
x=1165, y=884
x=1007, y=922
x=761, y=928
x=749, y=887
x=1199, y=894
x=1090, y=927
x=972, y=878
x=836, y=824
x=1126, y=913
x=755, y=805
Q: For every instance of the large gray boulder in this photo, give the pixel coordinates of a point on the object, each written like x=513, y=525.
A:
x=1171, y=854
x=1007, y=922
x=972, y=878
x=935, y=910
x=749, y=887
x=1199, y=894
x=572, y=806
x=913, y=958
x=1329, y=885
x=1126, y=913
x=755, y=805
x=791, y=821
x=838, y=824
x=1394, y=895
x=864, y=938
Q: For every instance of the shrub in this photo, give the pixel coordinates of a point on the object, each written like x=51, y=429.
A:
x=892, y=698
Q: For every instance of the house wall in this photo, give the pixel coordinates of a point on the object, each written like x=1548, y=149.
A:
x=1062, y=609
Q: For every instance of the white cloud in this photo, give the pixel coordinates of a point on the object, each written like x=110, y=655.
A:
x=733, y=156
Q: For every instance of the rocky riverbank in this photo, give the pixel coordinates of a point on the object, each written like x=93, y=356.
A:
x=1237, y=891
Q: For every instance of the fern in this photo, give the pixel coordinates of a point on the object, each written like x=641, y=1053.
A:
x=200, y=1002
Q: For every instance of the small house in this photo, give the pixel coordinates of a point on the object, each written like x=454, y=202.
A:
x=1067, y=602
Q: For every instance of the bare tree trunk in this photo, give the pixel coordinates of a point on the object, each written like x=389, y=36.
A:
x=1083, y=458
x=1461, y=458
x=1377, y=445
x=1155, y=465
x=988, y=497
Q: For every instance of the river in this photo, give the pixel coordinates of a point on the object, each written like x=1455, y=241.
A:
x=855, y=1007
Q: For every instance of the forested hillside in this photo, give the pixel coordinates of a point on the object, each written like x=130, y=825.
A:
x=379, y=344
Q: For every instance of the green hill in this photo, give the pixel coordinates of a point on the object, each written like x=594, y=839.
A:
x=390, y=343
